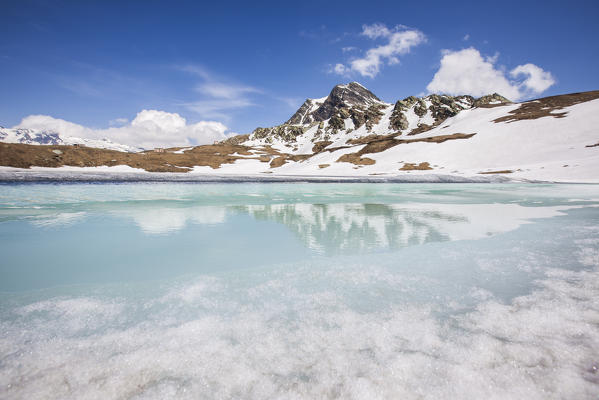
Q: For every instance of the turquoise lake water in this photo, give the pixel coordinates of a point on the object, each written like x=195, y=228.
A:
x=291, y=291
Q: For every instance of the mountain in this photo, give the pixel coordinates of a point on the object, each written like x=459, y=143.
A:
x=350, y=96
x=352, y=133
x=351, y=111
x=42, y=137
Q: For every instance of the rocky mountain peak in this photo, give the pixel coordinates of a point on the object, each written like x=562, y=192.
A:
x=491, y=100
x=345, y=96
x=352, y=94
x=353, y=108
x=349, y=95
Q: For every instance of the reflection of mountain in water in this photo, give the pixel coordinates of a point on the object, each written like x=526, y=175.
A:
x=327, y=228
x=337, y=228
x=333, y=228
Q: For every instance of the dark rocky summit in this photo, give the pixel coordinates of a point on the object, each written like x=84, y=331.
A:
x=342, y=96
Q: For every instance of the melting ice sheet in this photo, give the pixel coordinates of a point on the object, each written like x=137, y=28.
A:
x=299, y=291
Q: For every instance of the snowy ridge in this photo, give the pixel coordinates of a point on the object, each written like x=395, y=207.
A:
x=351, y=111
x=42, y=137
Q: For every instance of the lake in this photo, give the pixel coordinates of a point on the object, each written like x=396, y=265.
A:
x=298, y=290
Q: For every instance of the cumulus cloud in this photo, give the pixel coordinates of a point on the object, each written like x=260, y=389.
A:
x=149, y=129
x=537, y=80
x=398, y=41
x=468, y=72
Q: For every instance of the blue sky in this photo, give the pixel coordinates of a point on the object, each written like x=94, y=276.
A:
x=99, y=63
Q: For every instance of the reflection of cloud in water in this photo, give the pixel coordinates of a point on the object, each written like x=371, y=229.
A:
x=157, y=220
x=353, y=227
x=59, y=219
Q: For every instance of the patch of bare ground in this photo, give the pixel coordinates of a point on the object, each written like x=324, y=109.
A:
x=321, y=166
x=25, y=156
x=416, y=167
x=334, y=149
x=267, y=150
x=378, y=146
x=440, y=138
x=380, y=143
x=547, y=106
x=592, y=145
x=355, y=159
x=493, y=105
x=368, y=139
x=504, y=171
x=421, y=129
x=235, y=140
x=278, y=161
x=284, y=158
x=319, y=146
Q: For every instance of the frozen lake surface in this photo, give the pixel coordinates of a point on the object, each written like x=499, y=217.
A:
x=299, y=290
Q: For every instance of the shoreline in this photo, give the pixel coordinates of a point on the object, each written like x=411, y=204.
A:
x=18, y=175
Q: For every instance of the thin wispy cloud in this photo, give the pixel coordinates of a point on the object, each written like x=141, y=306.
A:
x=221, y=90
x=218, y=96
x=398, y=41
x=291, y=102
x=314, y=34
x=87, y=80
x=80, y=87
x=323, y=34
x=218, y=108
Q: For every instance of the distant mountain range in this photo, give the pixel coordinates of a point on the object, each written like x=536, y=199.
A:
x=43, y=137
x=351, y=132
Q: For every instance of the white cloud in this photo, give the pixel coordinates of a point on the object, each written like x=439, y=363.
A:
x=468, y=72
x=340, y=69
x=118, y=121
x=399, y=41
x=149, y=129
x=375, y=31
x=466, y=37
x=537, y=80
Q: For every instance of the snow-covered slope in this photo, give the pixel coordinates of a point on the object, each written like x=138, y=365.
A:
x=553, y=138
x=548, y=148
x=37, y=137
